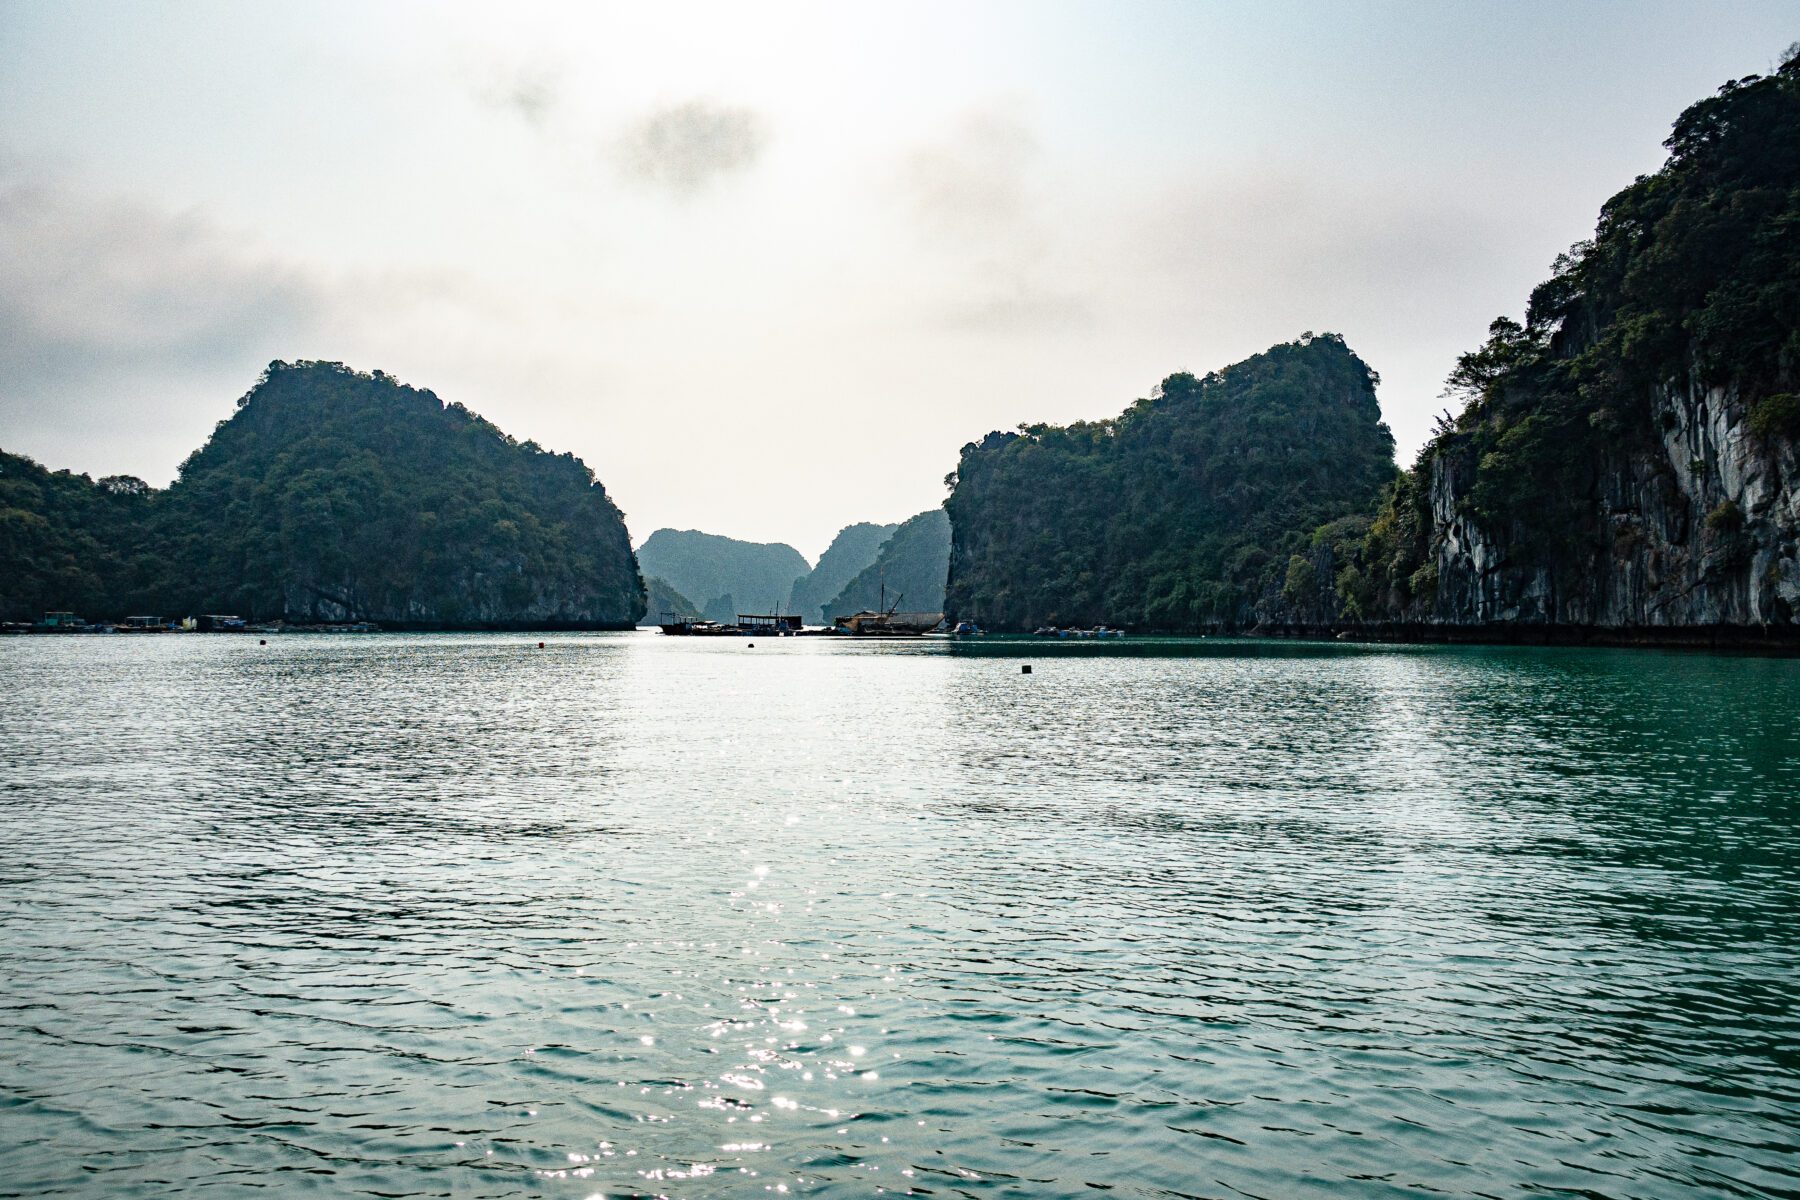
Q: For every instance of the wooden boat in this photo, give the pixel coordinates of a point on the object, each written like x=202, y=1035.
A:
x=693, y=628
x=887, y=621
x=890, y=623
x=746, y=625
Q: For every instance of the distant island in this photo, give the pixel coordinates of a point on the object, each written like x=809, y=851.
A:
x=330, y=495
x=864, y=563
x=815, y=594
x=909, y=570
x=724, y=575
x=662, y=598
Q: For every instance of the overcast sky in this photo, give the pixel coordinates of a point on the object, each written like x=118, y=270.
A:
x=766, y=267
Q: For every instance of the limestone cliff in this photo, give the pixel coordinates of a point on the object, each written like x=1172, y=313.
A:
x=1624, y=462
x=853, y=549
x=1697, y=529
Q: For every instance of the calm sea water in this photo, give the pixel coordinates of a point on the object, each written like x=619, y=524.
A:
x=456, y=916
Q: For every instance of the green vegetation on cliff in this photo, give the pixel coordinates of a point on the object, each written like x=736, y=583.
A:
x=332, y=494
x=1180, y=513
x=70, y=543
x=1691, y=282
x=911, y=564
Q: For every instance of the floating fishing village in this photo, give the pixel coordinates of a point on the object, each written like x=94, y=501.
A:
x=885, y=623
x=71, y=623
x=888, y=623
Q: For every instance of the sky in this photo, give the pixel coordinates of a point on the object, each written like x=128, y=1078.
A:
x=767, y=267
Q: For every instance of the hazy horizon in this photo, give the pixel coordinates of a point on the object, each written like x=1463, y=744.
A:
x=767, y=270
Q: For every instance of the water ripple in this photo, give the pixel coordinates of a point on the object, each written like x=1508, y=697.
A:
x=428, y=916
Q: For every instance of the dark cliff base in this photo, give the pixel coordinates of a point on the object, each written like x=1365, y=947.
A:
x=1774, y=639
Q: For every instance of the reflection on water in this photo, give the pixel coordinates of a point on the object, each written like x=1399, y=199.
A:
x=410, y=916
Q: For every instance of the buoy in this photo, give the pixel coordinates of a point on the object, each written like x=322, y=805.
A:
x=753, y=645
x=262, y=641
x=1025, y=670
x=540, y=645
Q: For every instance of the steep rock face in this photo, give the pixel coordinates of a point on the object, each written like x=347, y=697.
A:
x=1624, y=462
x=499, y=594
x=1700, y=530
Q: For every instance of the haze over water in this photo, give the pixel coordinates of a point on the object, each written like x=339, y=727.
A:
x=451, y=915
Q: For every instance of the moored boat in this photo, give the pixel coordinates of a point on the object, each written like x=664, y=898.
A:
x=746, y=625
x=890, y=624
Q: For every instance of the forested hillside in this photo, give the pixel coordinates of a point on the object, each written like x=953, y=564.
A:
x=70, y=543
x=331, y=495
x=1180, y=513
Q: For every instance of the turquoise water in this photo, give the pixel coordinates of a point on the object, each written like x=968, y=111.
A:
x=456, y=916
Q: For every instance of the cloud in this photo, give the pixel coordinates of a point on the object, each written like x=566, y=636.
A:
x=686, y=147
x=1020, y=305
x=126, y=328
x=531, y=92
x=88, y=283
x=970, y=187
x=972, y=200
x=1274, y=237
x=115, y=316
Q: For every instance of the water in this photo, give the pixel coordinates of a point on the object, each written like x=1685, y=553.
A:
x=456, y=916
